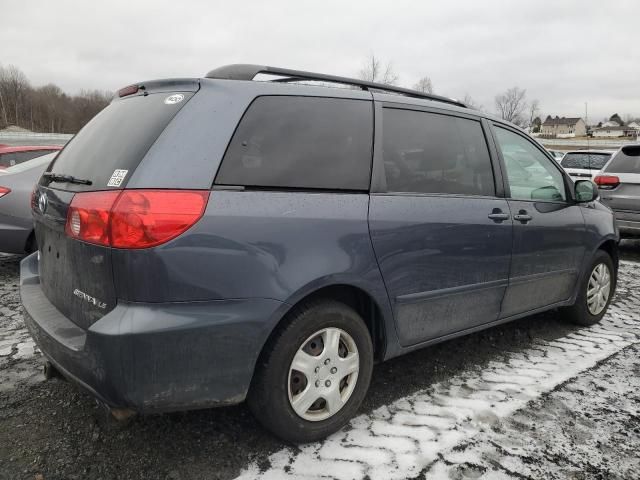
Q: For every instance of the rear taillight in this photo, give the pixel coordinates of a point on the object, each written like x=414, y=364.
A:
x=4, y=191
x=88, y=216
x=134, y=218
x=607, y=182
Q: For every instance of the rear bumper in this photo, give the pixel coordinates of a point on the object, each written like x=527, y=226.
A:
x=628, y=224
x=154, y=357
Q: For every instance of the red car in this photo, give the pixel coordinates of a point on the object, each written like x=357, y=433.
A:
x=10, y=156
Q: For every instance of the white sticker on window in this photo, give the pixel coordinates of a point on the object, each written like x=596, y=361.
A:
x=175, y=98
x=117, y=178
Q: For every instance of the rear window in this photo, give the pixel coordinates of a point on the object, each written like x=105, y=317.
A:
x=16, y=158
x=301, y=142
x=29, y=164
x=627, y=160
x=116, y=139
x=588, y=161
x=434, y=153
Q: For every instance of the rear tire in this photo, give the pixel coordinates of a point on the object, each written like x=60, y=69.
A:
x=330, y=342
x=593, y=298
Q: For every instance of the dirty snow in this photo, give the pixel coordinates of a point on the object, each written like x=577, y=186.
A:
x=414, y=434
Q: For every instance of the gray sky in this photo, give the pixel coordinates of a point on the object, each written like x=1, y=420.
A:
x=564, y=53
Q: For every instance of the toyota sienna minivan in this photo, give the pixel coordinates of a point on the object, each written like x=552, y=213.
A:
x=206, y=241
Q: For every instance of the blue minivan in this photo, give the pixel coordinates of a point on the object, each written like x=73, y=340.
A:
x=206, y=241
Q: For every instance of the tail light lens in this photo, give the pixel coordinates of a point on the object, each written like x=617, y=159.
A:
x=607, y=182
x=4, y=191
x=134, y=218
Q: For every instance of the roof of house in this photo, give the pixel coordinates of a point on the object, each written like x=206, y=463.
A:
x=561, y=121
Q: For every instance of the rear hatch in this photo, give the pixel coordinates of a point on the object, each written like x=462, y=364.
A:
x=619, y=183
x=584, y=165
x=76, y=276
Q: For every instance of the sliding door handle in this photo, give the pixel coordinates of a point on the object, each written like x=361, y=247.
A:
x=522, y=217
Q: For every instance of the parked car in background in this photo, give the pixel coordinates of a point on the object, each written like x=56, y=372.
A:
x=557, y=154
x=12, y=155
x=585, y=164
x=16, y=220
x=619, y=183
x=316, y=231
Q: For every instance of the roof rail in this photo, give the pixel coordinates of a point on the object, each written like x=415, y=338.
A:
x=242, y=71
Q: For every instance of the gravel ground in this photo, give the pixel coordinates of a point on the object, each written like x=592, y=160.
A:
x=536, y=398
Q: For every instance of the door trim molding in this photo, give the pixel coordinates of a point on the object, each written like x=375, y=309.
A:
x=446, y=292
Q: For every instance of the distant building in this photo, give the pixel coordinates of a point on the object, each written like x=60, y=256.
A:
x=565, y=127
x=611, y=123
x=615, y=131
x=634, y=125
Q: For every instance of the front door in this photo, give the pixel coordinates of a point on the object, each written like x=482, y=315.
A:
x=548, y=227
x=441, y=235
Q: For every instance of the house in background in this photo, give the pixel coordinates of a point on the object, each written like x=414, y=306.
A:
x=565, y=127
x=609, y=130
x=634, y=125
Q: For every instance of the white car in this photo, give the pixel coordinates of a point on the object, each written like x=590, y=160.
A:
x=585, y=164
x=557, y=154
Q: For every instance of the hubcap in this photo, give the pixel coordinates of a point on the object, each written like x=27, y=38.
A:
x=598, y=289
x=323, y=374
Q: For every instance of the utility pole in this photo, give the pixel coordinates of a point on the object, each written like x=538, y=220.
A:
x=586, y=121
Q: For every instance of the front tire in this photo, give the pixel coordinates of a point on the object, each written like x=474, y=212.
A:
x=314, y=373
x=596, y=292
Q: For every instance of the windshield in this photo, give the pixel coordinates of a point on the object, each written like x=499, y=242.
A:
x=588, y=161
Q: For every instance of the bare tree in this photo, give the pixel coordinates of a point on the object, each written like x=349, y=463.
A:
x=46, y=108
x=14, y=88
x=374, y=71
x=512, y=104
x=534, y=110
x=424, y=85
x=471, y=103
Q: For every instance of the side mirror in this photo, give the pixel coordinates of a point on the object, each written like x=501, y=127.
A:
x=586, y=191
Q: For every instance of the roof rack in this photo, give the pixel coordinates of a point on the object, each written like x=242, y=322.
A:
x=242, y=71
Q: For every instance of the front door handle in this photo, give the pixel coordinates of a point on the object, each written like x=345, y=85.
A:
x=498, y=216
x=522, y=216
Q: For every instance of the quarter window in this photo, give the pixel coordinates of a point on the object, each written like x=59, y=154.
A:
x=432, y=153
x=301, y=142
x=530, y=174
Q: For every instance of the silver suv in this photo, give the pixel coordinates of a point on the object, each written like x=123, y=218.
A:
x=619, y=183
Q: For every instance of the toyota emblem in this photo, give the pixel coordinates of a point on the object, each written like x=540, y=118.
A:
x=42, y=202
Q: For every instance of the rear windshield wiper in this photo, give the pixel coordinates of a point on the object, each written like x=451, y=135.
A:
x=61, y=177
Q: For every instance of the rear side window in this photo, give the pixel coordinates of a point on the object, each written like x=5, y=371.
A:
x=589, y=161
x=301, y=142
x=116, y=139
x=433, y=153
x=627, y=160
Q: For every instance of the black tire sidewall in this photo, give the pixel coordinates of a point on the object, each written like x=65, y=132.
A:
x=581, y=313
x=272, y=407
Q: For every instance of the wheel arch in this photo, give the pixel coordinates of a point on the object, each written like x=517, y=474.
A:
x=611, y=247
x=362, y=301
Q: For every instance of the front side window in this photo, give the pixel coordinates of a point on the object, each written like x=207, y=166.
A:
x=530, y=174
x=301, y=142
x=433, y=153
